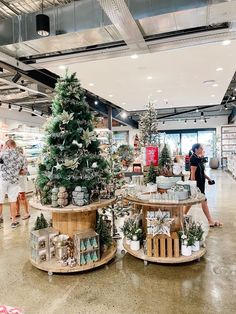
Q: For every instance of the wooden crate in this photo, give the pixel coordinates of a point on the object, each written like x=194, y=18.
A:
x=163, y=246
x=84, y=237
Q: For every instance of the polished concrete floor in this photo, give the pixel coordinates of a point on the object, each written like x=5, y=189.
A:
x=126, y=285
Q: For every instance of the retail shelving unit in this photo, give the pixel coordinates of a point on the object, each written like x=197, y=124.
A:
x=228, y=143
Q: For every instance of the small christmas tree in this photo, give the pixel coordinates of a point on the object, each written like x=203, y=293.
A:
x=104, y=232
x=165, y=159
x=151, y=176
x=40, y=222
x=148, y=127
x=71, y=156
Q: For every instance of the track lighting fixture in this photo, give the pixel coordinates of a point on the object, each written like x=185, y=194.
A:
x=9, y=107
x=20, y=109
x=185, y=121
x=205, y=120
x=195, y=121
x=16, y=77
x=202, y=115
x=163, y=122
x=43, y=24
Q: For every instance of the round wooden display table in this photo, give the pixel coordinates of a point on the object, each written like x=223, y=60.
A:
x=70, y=220
x=162, y=248
x=55, y=267
x=164, y=260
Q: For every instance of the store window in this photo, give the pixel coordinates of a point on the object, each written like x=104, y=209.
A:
x=180, y=142
x=187, y=141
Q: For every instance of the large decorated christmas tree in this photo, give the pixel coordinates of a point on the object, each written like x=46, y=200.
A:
x=70, y=158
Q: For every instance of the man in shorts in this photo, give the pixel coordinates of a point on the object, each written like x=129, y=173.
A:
x=12, y=165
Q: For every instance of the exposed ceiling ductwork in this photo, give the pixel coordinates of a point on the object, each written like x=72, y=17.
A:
x=90, y=27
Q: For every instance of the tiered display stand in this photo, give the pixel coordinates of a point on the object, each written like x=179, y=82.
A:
x=161, y=248
x=71, y=220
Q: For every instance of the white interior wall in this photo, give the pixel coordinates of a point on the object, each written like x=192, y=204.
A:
x=13, y=117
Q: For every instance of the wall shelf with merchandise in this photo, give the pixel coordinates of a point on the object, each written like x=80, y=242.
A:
x=228, y=144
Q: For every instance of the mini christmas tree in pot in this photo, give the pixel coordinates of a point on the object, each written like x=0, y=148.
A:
x=71, y=145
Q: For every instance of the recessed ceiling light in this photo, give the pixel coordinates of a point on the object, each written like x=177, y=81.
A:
x=209, y=82
x=219, y=69
x=62, y=67
x=159, y=91
x=135, y=56
x=124, y=114
x=149, y=77
x=226, y=42
x=197, y=110
x=215, y=85
x=212, y=95
x=91, y=84
x=95, y=102
x=110, y=95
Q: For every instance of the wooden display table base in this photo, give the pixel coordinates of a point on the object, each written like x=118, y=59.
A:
x=164, y=260
x=55, y=267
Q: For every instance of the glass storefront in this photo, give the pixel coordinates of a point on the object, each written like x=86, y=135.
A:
x=180, y=142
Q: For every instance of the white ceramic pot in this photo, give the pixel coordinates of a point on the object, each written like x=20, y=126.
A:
x=135, y=245
x=186, y=250
x=196, y=246
x=127, y=241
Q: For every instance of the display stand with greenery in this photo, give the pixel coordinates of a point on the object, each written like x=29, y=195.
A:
x=71, y=168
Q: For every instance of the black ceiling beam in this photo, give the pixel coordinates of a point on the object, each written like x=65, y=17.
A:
x=49, y=79
x=232, y=116
x=102, y=108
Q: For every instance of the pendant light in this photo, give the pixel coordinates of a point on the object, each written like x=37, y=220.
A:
x=42, y=24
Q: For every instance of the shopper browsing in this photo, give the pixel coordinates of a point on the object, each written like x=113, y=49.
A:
x=12, y=164
x=22, y=198
x=197, y=173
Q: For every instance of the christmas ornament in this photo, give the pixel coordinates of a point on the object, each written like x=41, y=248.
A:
x=80, y=145
x=71, y=163
x=58, y=166
x=160, y=224
x=88, y=137
x=65, y=117
x=94, y=165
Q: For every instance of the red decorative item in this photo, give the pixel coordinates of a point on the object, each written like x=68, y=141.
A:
x=151, y=155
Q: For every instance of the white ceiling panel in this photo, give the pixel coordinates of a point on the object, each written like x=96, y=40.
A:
x=169, y=78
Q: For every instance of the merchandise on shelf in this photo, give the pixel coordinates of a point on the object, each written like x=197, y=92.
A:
x=41, y=244
x=87, y=247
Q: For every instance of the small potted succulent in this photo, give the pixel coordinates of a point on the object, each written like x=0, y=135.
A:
x=197, y=233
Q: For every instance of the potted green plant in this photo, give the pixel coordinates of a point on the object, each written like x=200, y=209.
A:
x=127, y=230
x=197, y=233
x=187, y=241
x=214, y=160
x=133, y=233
